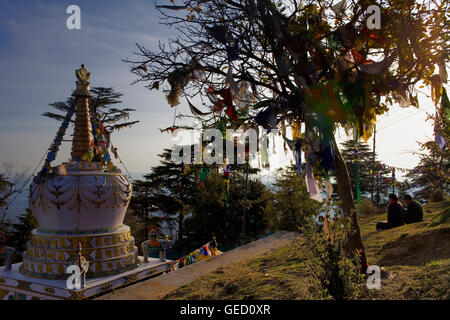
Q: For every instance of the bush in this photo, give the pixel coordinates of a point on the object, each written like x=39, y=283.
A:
x=336, y=274
x=367, y=208
x=436, y=196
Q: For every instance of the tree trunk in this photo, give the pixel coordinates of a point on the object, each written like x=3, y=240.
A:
x=348, y=206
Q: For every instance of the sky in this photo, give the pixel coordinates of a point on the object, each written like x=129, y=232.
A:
x=38, y=57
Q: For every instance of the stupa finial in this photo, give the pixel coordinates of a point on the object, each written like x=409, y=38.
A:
x=82, y=74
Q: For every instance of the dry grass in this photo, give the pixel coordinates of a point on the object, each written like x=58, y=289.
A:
x=277, y=275
x=415, y=257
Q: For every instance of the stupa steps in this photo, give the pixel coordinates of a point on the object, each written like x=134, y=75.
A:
x=97, y=268
x=70, y=257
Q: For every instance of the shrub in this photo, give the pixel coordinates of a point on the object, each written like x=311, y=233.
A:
x=336, y=274
x=367, y=208
x=436, y=196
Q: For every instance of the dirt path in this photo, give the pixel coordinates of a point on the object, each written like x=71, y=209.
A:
x=156, y=288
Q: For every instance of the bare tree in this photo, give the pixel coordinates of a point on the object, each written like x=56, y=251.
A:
x=12, y=182
x=312, y=62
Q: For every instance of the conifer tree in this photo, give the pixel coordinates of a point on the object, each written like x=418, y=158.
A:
x=20, y=232
x=291, y=207
x=433, y=171
x=381, y=187
x=104, y=103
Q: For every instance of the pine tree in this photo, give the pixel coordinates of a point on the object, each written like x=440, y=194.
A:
x=172, y=194
x=164, y=194
x=290, y=206
x=433, y=171
x=103, y=103
x=381, y=187
x=20, y=232
x=210, y=216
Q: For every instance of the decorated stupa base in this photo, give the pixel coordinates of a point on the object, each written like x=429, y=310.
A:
x=14, y=285
x=48, y=255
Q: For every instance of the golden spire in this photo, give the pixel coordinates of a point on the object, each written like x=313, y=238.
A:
x=82, y=134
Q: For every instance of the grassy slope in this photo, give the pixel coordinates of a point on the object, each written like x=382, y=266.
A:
x=416, y=258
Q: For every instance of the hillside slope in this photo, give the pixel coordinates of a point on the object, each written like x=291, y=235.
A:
x=415, y=258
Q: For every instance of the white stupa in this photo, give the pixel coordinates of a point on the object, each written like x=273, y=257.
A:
x=80, y=207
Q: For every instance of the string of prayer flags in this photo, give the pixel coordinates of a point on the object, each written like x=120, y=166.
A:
x=226, y=101
x=298, y=155
x=406, y=184
x=411, y=171
x=187, y=169
x=355, y=57
x=311, y=184
x=195, y=111
x=289, y=143
x=230, y=80
x=101, y=141
x=295, y=129
x=267, y=118
x=283, y=134
x=445, y=103
x=233, y=51
x=327, y=161
x=378, y=67
x=263, y=149
x=204, y=171
x=438, y=138
x=339, y=7
x=220, y=34
x=180, y=77
x=242, y=94
x=54, y=147
x=436, y=88
x=193, y=257
x=248, y=77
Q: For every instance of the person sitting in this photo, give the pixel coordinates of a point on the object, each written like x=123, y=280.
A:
x=394, y=216
x=413, y=212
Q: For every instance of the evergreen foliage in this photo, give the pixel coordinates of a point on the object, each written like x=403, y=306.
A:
x=290, y=206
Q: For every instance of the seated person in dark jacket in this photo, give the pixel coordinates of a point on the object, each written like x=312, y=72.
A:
x=413, y=211
x=395, y=214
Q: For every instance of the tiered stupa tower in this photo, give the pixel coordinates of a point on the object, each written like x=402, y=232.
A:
x=82, y=133
x=80, y=202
